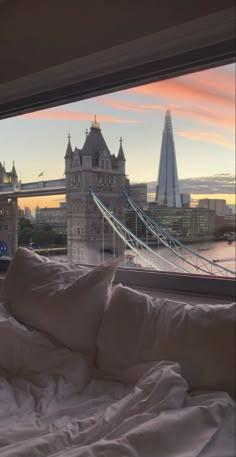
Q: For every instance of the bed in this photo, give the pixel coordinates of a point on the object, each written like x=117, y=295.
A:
x=89, y=370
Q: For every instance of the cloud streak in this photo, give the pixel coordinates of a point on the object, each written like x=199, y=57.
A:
x=216, y=184
x=75, y=115
x=203, y=114
x=120, y=104
x=200, y=114
x=209, y=88
x=207, y=97
x=209, y=137
x=221, y=79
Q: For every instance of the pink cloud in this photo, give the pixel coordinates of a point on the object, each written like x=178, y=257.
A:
x=207, y=97
x=121, y=104
x=210, y=137
x=74, y=115
x=188, y=89
x=201, y=114
x=215, y=87
x=220, y=79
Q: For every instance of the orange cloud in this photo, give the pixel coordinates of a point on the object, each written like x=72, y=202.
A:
x=121, y=104
x=205, y=115
x=190, y=89
x=210, y=137
x=202, y=114
x=220, y=79
x=74, y=115
x=207, y=97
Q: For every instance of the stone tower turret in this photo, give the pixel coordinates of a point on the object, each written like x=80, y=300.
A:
x=121, y=157
x=93, y=167
x=68, y=155
x=14, y=177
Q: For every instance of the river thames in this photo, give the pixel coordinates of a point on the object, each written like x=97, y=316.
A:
x=220, y=252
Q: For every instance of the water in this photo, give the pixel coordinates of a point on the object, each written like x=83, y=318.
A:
x=221, y=251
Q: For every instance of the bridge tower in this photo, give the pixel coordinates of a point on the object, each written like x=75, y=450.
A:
x=90, y=239
x=9, y=224
x=9, y=211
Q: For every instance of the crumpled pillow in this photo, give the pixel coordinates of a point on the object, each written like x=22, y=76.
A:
x=64, y=301
x=31, y=355
x=138, y=328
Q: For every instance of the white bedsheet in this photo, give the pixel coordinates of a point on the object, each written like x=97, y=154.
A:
x=53, y=404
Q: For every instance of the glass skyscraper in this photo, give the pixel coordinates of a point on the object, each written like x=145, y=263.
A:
x=167, y=191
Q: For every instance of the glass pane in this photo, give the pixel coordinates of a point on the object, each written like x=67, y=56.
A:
x=150, y=178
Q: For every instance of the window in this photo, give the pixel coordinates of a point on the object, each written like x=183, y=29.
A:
x=179, y=175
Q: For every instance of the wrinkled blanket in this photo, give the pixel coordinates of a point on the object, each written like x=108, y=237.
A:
x=52, y=403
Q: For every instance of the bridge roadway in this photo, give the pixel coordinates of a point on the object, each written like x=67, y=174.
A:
x=33, y=189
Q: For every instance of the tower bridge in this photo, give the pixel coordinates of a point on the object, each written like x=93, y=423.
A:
x=92, y=165
x=33, y=189
x=95, y=186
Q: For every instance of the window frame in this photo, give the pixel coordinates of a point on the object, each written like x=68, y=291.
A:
x=198, y=44
x=194, y=46
x=198, y=286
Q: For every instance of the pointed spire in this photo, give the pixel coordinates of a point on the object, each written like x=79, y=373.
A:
x=69, y=151
x=167, y=191
x=168, y=120
x=121, y=155
x=13, y=171
x=95, y=124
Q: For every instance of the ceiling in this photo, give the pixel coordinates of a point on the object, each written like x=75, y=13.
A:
x=49, y=44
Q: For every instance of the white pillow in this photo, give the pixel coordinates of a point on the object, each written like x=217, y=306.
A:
x=137, y=328
x=64, y=301
x=28, y=353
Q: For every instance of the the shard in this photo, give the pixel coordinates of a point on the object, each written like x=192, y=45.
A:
x=167, y=191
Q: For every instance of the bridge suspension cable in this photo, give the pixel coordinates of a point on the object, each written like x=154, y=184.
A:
x=188, y=256
x=140, y=248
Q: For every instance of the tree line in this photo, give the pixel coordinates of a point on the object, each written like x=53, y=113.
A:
x=42, y=235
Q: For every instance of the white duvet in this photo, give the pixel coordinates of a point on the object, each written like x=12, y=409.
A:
x=52, y=403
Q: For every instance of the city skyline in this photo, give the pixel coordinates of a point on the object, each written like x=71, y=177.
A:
x=203, y=114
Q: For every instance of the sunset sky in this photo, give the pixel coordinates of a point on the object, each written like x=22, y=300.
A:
x=203, y=115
